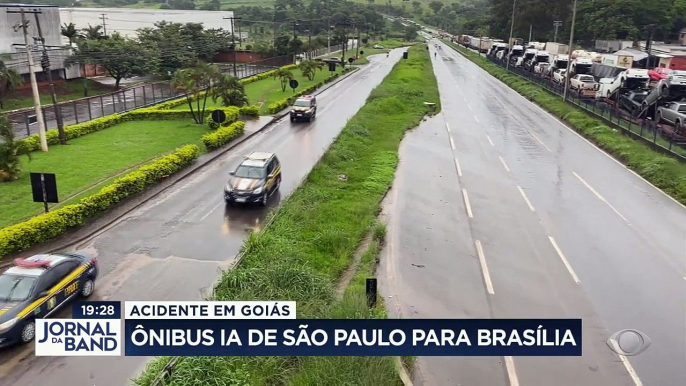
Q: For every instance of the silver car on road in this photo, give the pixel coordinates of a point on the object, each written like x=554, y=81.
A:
x=674, y=113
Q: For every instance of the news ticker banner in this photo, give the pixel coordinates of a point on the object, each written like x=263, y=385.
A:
x=266, y=328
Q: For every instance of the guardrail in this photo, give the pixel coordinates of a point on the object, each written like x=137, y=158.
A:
x=661, y=137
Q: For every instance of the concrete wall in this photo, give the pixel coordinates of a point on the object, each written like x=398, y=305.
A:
x=49, y=21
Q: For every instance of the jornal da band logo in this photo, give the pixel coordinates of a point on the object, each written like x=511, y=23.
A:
x=78, y=337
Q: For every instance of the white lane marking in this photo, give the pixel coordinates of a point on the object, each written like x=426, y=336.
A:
x=504, y=164
x=470, y=107
x=447, y=127
x=539, y=141
x=599, y=196
x=489, y=140
x=459, y=169
x=564, y=260
x=526, y=198
x=511, y=372
x=476, y=119
x=463, y=97
x=466, y=203
x=210, y=212
x=629, y=368
x=452, y=143
x=484, y=267
x=588, y=141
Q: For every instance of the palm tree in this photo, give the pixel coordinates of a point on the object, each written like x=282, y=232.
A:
x=192, y=81
x=230, y=90
x=10, y=151
x=70, y=32
x=307, y=69
x=9, y=80
x=284, y=76
x=93, y=32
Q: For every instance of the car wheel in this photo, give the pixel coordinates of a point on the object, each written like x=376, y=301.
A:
x=28, y=333
x=292, y=119
x=263, y=201
x=88, y=288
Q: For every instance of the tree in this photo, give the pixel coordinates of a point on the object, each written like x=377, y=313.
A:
x=307, y=69
x=10, y=152
x=9, y=80
x=93, y=32
x=70, y=32
x=119, y=56
x=411, y=32
x=192, y=82
x=230, y=90
x=417, y=7
x=436, y=6
x=284, y=76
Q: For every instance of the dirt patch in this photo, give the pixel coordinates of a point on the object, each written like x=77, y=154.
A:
x=351, y=271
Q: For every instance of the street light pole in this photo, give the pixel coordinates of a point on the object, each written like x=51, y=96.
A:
x=557, y=25
x=507, y=63
x=571, y=46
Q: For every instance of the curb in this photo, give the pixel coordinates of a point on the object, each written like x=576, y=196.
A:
x=186, y=172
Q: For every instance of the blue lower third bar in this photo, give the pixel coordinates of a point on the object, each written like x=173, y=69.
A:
x=354, y=337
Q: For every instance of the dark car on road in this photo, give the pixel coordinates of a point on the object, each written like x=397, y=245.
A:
x=254, y=180
x=38, y=286
x=304, y=108
x=631, y=101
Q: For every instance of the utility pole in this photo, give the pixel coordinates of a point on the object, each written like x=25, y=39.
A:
x=240, y=36
x=507, y=63
x=571, y=47
x=328, y=38
x=531, y=29
x=557, y=25
x=357, y=52
x=104, y=25
x=45, y=63
x=233, y=43
x=34, y=86
x=649, y=43
x=309, y=44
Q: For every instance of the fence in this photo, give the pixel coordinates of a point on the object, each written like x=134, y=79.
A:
x=86, y=109
x=661, y=137
x=323, y=51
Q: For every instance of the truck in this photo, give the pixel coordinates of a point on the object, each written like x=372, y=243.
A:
x=557, y=48
x=538, y=46
x=625, y=61
x=670, y=89
x=627, y=80
x=558, y=61
x=529, y=55
x=516, y=42
x=496, y=48
x=539, y=57
x=580, y=66
x=515, y=54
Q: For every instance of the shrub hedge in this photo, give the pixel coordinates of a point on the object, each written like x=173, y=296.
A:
x=21, y=236
x=250, y=111
x=665, y=172
x=284, y=103
x=223, y=135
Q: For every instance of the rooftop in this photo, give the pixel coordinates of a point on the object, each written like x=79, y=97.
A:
x=19, y=5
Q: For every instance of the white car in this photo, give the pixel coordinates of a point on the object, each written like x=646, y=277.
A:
x=378, y=47
x=559, y=75
x=541, y=67
x=579, y=82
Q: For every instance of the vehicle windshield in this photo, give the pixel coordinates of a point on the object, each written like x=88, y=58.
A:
x=682, y=109
x=254, y=172
x=14, y=288
x=639, y=97
x=302, y=103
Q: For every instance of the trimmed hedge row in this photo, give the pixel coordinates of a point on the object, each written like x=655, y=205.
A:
x=41, y=228
x=178, y=102
x=665, y=172
x=284, y=103
x=223, y=135
x=250, y=111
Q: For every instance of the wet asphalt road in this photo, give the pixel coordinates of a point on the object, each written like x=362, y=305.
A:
x=84, y=110
x=515, y=209
x=174, y=247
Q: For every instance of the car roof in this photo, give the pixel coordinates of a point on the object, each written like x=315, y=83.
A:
x=51, y=260
x=306, y=97
x=257, y=158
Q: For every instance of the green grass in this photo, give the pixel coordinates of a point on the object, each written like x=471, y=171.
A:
x=89, y=162
x=266, y=91
x=66, y=91
x=369, y=50
x=663, y=171
x=313, y=238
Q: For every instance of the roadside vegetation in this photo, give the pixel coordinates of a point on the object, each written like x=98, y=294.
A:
x=18, y=95
x=663, y=171
x=314, y=237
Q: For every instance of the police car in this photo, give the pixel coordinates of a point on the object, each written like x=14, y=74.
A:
x=305, y=108
x=38, y=286
x=255, y=179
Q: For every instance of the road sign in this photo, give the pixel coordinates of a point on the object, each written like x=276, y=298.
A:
x=219, y=116
x=294, y=84
x=44, y=188
x=405, y=55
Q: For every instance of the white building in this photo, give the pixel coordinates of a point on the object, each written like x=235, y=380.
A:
x=12, y=43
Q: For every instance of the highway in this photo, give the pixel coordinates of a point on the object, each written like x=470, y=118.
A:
x=501, y=211
x=174, y=246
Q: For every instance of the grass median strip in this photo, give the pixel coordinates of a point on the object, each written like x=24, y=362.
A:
x=665, y=172
x=313, y=238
